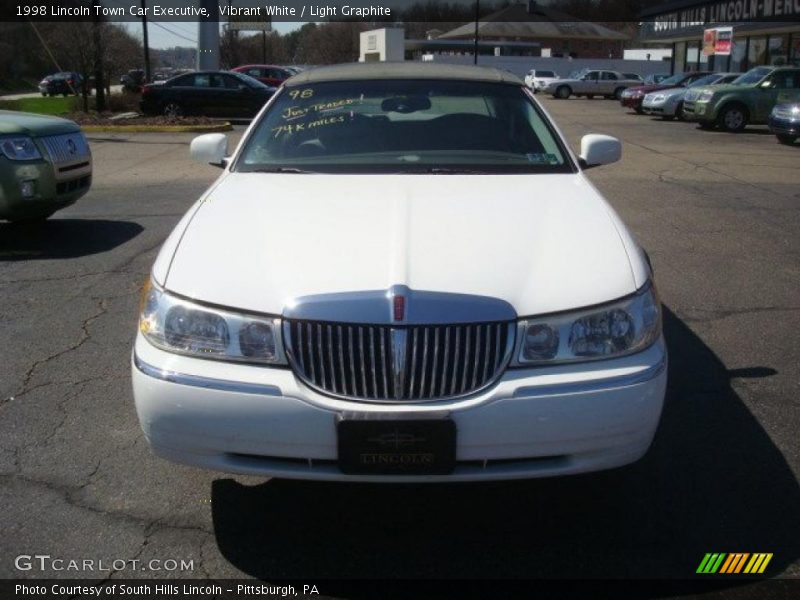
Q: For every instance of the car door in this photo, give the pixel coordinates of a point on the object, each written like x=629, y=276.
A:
x=608, y=82
x=240, y=100
x=589, y=83
x=767, y=95
x=205, y=95
x=787, y=89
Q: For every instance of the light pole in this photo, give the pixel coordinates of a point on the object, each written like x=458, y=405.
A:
x=146, y=44
x=477, y=16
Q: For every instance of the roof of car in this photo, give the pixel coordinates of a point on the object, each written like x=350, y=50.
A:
x=403, y=70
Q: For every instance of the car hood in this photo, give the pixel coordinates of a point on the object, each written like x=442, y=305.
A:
x=543, y=243
x=646, y=89
x=678, y=91
x=724, y=87
x=22, y=123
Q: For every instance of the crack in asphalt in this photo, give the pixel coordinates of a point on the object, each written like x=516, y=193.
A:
x=69, y=277
x=718, y=314
x=85, y=336
x=69, y=492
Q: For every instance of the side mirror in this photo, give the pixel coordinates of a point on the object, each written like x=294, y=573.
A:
x=597, y=149
x=210, y=148
x=245, y=88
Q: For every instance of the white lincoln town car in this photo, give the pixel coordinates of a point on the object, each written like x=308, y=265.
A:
x=401, y=274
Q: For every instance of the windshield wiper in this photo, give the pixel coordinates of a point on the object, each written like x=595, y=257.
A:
x=279, y=170
x=449, y=171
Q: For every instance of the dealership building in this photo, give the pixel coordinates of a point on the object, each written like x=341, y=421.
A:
x=757, y=32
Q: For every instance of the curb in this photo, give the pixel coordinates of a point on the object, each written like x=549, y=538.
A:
x=157, y=128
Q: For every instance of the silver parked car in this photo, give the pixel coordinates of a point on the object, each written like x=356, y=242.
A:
x=591, y=83
x=668, y=103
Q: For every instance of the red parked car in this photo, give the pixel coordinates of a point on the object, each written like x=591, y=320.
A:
x=633, y=96
x=269, y=74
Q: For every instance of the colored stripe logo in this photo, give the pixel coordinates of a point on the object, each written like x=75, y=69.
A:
x=735, y=562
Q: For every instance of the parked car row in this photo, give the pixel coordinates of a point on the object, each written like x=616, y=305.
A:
x=209, y=93
x=764, y=95
x=64, y=83
x=238, y=93
x=591, y=83
x=667, y=102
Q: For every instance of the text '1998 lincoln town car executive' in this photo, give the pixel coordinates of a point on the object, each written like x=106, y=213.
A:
x=402, y=274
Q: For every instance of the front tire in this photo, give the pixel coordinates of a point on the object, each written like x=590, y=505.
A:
x=172, y=110
x=733, y=118
x=618, y=93
x=679, y=112
x=786, y=139
x=563, y=92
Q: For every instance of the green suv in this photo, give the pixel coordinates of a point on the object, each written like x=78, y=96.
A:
x=746, y=100
x=45, y=165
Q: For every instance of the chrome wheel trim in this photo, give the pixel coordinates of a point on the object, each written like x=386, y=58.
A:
x=172, y=109
x=734, y=118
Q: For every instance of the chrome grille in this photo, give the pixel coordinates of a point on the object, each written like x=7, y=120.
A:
x=394, y=364
x=67, y=147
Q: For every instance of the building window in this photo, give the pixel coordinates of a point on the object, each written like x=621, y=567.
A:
x=794, y=49
x=692, y=56
x=757, y=53
x=778, y=50
x=738, y=55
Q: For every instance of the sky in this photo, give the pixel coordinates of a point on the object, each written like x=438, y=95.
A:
x=184, y=33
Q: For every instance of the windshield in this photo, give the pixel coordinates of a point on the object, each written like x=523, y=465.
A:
x=707, y=80
x=674, y=80
x=752, y=76
x=402, y=126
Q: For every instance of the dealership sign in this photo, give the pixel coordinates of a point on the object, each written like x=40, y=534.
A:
x=723, y=11
x=717, y=41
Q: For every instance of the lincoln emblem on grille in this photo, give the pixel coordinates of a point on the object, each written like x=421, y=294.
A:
x=398, y=344
x=71, y=147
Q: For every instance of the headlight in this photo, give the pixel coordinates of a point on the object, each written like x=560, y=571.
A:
x=19, y=148
x=616, y=329
x=705, y=96
x=655, y=98
x=183, y=327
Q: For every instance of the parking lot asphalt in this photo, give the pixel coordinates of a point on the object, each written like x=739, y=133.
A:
x=719, y=215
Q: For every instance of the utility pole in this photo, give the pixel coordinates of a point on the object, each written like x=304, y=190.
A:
x=146, y=44
x=477, y=16
x=100, y=91
x=263, y=46
x=208, y=37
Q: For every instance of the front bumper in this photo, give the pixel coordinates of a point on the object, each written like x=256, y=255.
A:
x=532, y=423
x=634, y=102
x=699, y=112
x=52, y=190
x=664, y=108
x=782, y=126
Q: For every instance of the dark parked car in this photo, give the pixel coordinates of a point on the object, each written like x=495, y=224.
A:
x=633, y=96
x=64, y=83
x=133, y=80
x=207, y=93
x=784, y=122
x=267, y=74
